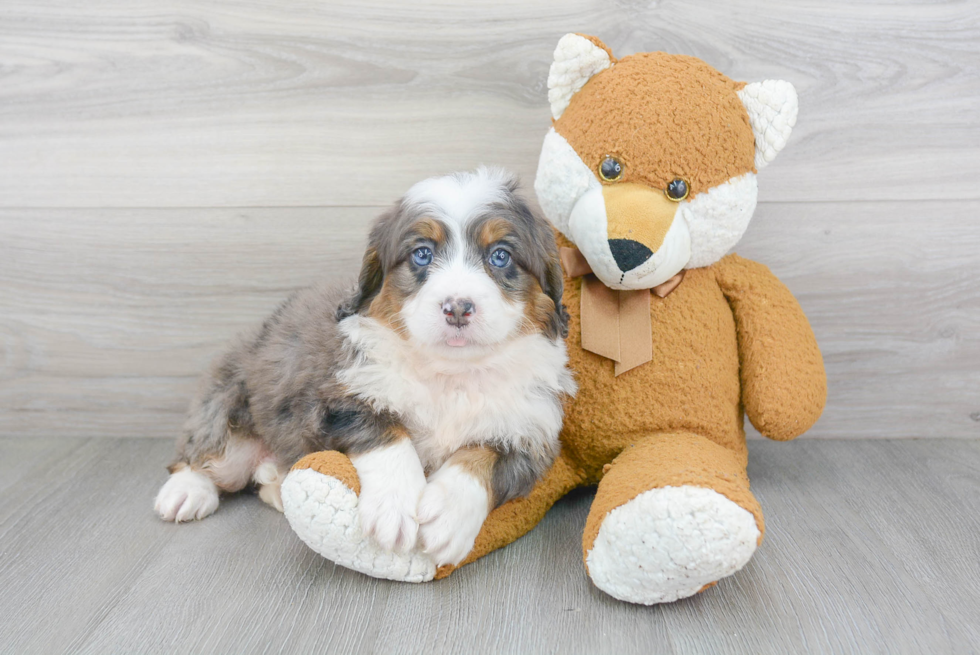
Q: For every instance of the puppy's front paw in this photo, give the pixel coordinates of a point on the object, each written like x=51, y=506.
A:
x=185, y=496
x=451, y=513
x=388, y=516
x=392, y=480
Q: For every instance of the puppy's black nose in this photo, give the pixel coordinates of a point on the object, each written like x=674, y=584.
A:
x=628, y=253
x=458, y=311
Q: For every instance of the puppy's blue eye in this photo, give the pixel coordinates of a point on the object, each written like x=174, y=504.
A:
x=499, y=258
x=422, y=256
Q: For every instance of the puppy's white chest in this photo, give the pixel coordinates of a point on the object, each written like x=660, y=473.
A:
x=510, y=399
x=455, y=411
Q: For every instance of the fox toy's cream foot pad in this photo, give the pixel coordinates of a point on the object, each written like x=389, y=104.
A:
x=670, y=543
x=319, y=498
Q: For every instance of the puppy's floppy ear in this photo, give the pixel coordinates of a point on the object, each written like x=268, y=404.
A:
x=554, y=286
x=552, y=278
x=543, y=255
x=368, y=284
x=373, y=266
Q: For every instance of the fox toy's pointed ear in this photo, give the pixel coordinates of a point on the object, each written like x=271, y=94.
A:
x=577, y=58
x=772, y=107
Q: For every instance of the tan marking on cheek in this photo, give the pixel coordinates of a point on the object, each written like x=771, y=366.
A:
x=387, y=306
x=493, y=230
x=431, y=229
x=538, y=308
x=477, y=462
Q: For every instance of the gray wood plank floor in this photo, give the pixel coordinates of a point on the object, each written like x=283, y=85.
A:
x=872, y=547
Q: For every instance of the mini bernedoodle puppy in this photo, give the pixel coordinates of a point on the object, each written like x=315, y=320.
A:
x=441, y=374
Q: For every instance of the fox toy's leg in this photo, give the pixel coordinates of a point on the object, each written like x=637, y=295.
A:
x=320, y=498
x=672, y=516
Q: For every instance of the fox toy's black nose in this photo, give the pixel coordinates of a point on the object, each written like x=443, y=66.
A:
x=628, y=253
x=458, y=311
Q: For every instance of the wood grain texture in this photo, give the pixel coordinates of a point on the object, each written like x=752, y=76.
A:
x=107, y=317
x=252, y=103
x=891, y=292
x=871, y=547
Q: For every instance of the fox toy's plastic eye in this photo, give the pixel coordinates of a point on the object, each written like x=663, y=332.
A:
x=422, y=256
x=677, y=190
x=610, y=169
x=499, y=258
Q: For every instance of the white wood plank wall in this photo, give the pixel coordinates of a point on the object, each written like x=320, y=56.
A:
x=169, y=170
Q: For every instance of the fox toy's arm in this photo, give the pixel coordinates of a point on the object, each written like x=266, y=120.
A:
x=784, y=386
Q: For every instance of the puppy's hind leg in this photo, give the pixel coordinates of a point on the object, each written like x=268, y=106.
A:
x=199, y=483
x=269, y=476
x=211, y=457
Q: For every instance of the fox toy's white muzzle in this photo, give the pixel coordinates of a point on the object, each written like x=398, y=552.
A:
x=632, y=239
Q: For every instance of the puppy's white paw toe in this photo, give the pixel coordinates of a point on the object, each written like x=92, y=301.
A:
x=389, y=517
x=271, y=495
x=269, y=478
x=451, y=513
x=392, y=480
x=185, y=496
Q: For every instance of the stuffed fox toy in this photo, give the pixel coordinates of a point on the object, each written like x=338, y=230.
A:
x=649, y=176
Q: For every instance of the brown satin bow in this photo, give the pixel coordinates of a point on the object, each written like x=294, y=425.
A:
x=615, y=324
